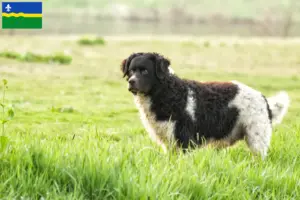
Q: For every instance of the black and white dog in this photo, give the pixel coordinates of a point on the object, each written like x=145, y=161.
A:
x=190, y=113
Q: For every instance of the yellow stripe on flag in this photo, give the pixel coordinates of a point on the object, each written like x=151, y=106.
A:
x=20, y=15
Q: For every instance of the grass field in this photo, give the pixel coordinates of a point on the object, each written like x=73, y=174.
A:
x=76, y=133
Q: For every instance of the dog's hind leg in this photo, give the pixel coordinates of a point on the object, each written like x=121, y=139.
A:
x=258, y=137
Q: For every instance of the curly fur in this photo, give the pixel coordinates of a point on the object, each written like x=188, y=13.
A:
x=192, y=113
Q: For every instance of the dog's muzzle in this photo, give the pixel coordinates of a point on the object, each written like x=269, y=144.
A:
x=132, y=86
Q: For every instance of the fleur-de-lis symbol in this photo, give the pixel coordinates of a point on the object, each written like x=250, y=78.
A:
x=8, y=8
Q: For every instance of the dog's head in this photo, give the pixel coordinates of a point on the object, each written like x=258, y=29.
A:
x=144, y=71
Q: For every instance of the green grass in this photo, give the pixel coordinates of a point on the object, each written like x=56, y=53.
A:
x=76, y=133
x=59, y=58
x=90, y=42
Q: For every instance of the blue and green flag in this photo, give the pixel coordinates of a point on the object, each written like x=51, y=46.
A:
x=22, y=15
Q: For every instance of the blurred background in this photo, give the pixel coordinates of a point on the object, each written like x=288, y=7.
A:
x=280, y=18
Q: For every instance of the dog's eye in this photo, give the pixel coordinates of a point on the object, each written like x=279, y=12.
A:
x=144, y=71
x=130, y=71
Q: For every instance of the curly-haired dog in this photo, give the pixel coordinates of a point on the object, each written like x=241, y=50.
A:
x=190, y=113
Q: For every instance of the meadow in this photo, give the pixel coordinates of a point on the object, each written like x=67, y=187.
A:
x=76, y=132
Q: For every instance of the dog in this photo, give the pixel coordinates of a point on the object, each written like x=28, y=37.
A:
x=190, y=114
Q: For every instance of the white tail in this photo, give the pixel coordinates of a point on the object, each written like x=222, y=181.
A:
x=278, y=104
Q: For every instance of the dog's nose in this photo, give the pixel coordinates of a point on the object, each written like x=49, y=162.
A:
x=131, y=81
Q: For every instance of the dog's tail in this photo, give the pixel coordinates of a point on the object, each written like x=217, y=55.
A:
x=278, y=104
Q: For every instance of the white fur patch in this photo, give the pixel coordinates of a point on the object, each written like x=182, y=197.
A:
x=171, y=70
x=279, y=104
x=253, y=117
x=191, y=104
x=161, y=132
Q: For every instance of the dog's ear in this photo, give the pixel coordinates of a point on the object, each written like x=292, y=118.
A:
x=126, y=62
x=123, y=67
x=162, y=65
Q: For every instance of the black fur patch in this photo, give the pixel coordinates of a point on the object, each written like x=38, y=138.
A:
x=269, y=110
x=214, y=119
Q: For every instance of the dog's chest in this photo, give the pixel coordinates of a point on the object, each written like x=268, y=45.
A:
x=158, y=130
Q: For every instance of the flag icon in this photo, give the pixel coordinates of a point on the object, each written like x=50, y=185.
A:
x=22, y=15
